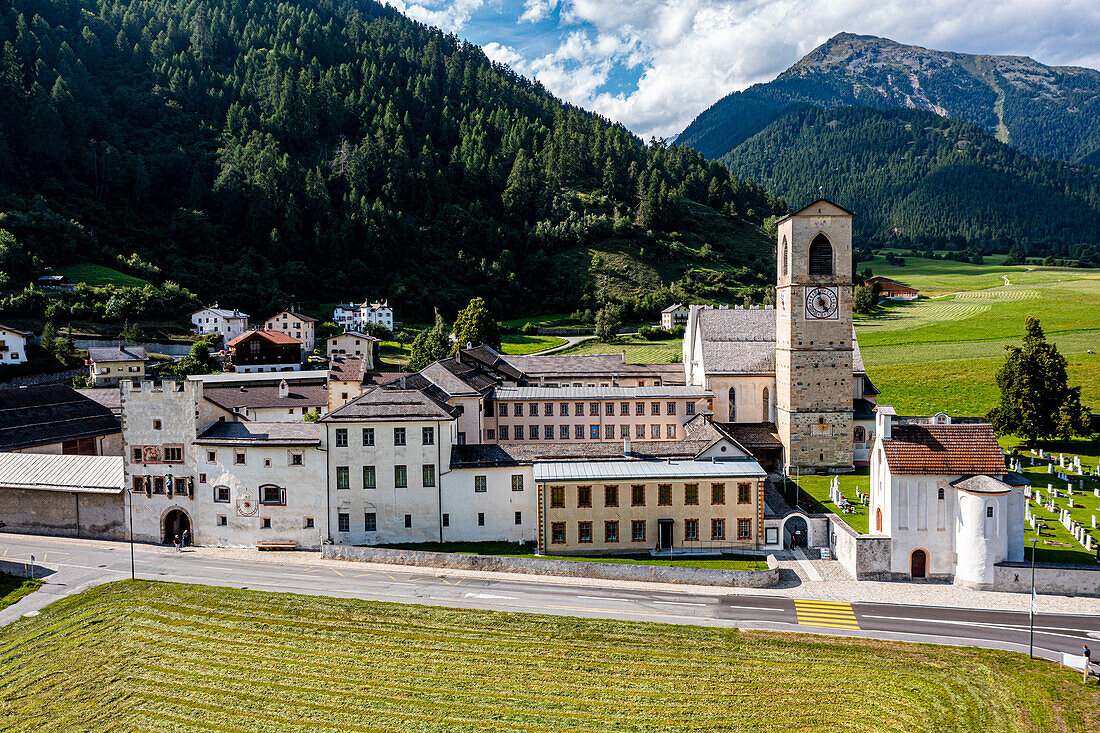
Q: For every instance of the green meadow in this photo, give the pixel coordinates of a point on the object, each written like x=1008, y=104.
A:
x=145, y=656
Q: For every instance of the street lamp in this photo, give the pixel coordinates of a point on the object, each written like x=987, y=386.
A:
x=1031, y=616
x=130, y=504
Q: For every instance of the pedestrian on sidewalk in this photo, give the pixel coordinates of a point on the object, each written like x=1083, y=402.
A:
x=186, y=537
x=1087, y=654
x=176, y=542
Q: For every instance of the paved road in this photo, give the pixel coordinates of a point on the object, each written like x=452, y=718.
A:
x=80, y=563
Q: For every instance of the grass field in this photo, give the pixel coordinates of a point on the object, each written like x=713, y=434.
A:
x=512, y=549
x=154, y=657
x=518, y=343
x=814, y=496
x=935, y=277
x=87, y=272
x=13, y=587
x=638, y=350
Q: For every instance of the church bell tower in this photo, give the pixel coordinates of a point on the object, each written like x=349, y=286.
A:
x=813, y=339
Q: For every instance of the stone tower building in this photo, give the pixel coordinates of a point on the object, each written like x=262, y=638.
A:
x=813, y=343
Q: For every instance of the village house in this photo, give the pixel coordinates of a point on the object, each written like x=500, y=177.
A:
x=108, y=365
x=354, y=317
x=942, y=494
x=63, y=495
x=892, y=289
x=354, y=344
x=282, y=401
x=348, y=378
x=297, y=325
x=13, y=345
x=675, y=315
x=225, y=322
x=54, y=418
x=265, y=351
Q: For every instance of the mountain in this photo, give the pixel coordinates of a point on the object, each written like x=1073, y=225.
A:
x=1045, y=111
x=262, y=153
x=916, y=179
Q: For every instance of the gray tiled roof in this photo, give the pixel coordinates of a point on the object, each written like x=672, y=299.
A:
x=576, y=364
x=391, y=404
x=51, y=413
x=487, y=454
x=268, y=433
x=446, y=379
x=267, y=396
x=981, y=485
x=115, y=353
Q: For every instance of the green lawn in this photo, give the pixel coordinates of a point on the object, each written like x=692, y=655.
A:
x=14, y=587
x=518, y=343
x=147, y=656
x=554, y=320
x=638, y=350
x=511, y=549
x=87, y=272
x=934, y=277
x=814, y=496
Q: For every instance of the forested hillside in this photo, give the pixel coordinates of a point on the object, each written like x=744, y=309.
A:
x=917, y=179
x=259, y=152
x=1045, y=111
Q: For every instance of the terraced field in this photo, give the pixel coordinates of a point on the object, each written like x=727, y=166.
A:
x=164, y=657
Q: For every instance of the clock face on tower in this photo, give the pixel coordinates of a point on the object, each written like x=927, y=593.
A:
x=821, y=304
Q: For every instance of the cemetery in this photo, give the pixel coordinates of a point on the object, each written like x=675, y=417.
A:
x=1063, y=505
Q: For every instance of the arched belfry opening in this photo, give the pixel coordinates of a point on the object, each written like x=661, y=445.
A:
x=784, y=258
x=821, y=257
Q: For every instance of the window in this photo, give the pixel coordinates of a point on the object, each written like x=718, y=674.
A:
x=578, y=409
x=533, y=431
x=517, y=482
x=624, y=408
x=271, y=495
x=446, y=520
x=859, y=434
x=221, y=494
x=584, y=531
x=624, y=431
x=341, y=437
x=181, y=486
x=519, y=432
x=400, y=477
x=584, y=496
x=173, y=454
x=481, y=519
x=609, y=409
x=655, y=408
x=564, y=409
x=533, y=409
x=689, y=408
x=211, y=456
x=370, y=521
x=744, y=529
x=309, y=523
x=135, y=454
x=637, y=496
x=989, y=511
x=578, y=432
x=519, y=518
x=563, y=432
x=156, y=425
x=609, y=432
x=202, y=478
x=691, y=529
x=480, y=484
x=557, y=532
x=368, y=436
x=548, y=409
x=664, y=495
x=519, y=409
x=399, y=436
x=429, y=475
x=549, y=432
x=611, y=496
x=671, y=431
x=744, y=493
x=639, y=431
x=502, y=409
x=671, y=408
x=557, y=497
x=267, y=463
x=503, y=430
x=610, y=531
x=655, y=431
x=594, y=409
x=408, y=521
x=158, y=484
x=343, y=522
x=717, y=494
x=637, y=530
x=939, y=493
x=718, y=529
x=594, y=432
x=296, y=459
x=369, y=478
x=639, y=408
x=222, y=520
x=490, y=434
x=343, y=477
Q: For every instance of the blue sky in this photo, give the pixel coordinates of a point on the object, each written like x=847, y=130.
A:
x=653, y=65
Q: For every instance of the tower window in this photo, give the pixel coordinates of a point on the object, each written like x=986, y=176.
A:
x=821, y=257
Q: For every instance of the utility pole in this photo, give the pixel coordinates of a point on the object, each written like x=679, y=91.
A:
x=1031, y=616
x=130, y=496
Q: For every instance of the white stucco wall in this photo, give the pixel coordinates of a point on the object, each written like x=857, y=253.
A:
x=499, y=504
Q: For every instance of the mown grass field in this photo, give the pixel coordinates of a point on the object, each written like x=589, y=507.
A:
x=814, y=496
x=159, y=657
x=87, y=272
x=13, y=588
x=638, y=350
x=935, y=277
x=512, y=549
x=518, y=343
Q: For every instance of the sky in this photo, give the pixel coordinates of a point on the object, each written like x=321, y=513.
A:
x=653, y=65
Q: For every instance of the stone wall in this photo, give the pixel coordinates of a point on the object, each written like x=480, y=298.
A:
x=538, y=566
x=863, y=557
x=63, y=513
x=1070, y=580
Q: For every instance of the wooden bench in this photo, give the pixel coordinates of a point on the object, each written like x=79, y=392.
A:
x=277, y=545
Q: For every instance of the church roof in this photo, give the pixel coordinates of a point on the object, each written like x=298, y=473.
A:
x=812, y=204
x=982, y=485
x=958, y=450
x=742, y=341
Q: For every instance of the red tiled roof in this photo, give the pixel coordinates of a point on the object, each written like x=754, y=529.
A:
x=944, y=449
x=275, y=337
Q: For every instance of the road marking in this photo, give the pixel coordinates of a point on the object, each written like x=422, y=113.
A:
x=490, y=596
x=337, y=572
x=679, y=603
x=1051, y=630
x=600, y=598
x=831, y=614
x=620, y=610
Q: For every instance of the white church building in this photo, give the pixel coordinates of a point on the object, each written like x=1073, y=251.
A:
x=940, y=491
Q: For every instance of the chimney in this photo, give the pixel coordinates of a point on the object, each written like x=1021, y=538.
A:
x=626, y=446
x=884, y=419
x=284, y=389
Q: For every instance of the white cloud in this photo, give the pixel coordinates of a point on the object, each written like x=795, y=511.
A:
x=450, y=15
x=691, y=53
